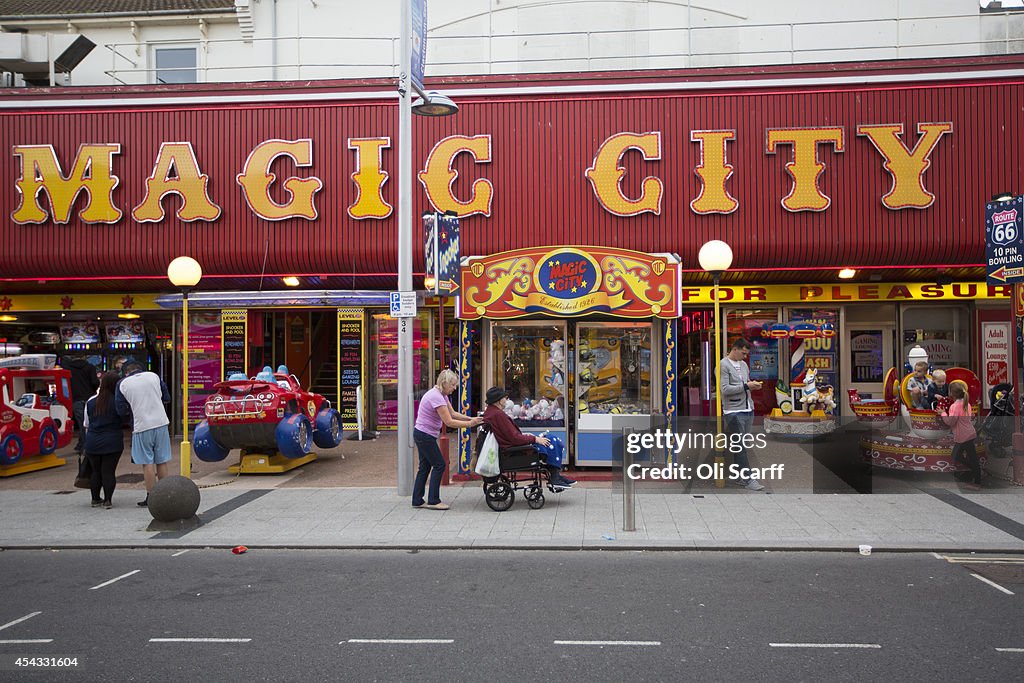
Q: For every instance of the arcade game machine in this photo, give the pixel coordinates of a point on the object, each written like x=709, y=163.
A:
x=82, y=340
x=126, y=340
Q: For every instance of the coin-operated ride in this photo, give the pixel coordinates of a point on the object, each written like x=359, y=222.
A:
x=35, y=413
x=271, y=418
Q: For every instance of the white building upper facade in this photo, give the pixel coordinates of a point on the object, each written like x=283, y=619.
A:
x=185, y=41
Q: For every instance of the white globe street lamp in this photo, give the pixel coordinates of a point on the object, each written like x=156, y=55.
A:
x=185, y=273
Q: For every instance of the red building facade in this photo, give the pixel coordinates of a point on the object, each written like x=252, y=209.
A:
x=881, y=167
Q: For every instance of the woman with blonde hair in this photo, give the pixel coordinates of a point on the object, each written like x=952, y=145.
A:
x=435, y=412
x=959, y=420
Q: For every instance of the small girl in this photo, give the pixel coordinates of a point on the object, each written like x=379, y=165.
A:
x=959, y=420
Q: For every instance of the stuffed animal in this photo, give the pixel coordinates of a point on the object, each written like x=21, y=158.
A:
x=556, y=359
x=825, y=398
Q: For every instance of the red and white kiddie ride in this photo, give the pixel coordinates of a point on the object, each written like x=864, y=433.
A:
x=928, y=444
x=35, y=413
x=271, y=418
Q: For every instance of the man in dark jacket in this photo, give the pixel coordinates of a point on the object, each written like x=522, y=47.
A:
x=509, y=435
x=84, y=384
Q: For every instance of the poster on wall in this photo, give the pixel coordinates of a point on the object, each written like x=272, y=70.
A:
x=995, y=359
x=350, y=364
x=204, y=360
x=764, y=360
x=820, y=353
x=866, y=356
x=233, y=341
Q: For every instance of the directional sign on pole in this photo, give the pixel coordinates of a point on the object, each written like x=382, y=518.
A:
x=441, y=254
x=1004, y=241
x=419, y=42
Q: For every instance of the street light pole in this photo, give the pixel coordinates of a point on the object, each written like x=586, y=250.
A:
x=184, y=272
x=405, y=388
x=715, y=257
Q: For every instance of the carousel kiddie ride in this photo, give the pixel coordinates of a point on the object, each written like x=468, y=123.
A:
x=35, y=413
x=927, y=443
x=806, y=407
x=271, y=418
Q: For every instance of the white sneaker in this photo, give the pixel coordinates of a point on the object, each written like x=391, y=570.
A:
x=754, y=485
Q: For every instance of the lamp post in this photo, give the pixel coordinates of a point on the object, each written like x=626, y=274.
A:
x=715, y=257
x=184, y=272
x=429, y=104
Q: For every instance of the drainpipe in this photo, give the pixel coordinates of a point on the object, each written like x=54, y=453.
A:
x=273, y=39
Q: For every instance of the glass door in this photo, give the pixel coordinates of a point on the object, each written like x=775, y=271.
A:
x=869, y=357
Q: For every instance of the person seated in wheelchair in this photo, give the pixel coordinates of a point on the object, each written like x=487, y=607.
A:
x=508, y=435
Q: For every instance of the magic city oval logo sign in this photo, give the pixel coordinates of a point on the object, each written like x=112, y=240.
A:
x=567, y=274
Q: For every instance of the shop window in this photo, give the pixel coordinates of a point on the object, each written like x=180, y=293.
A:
x=764, y=360
x=529, y=361
x=174, y=65
x=614, y=368
x=942, y=331
x=382, y=392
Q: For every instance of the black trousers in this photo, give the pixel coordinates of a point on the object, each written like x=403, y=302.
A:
x=104, y=469
x=965, y=453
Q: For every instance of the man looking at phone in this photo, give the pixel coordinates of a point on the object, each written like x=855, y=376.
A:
x=738, y=405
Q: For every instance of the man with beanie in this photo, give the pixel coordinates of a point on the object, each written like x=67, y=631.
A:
x=509, y=435
x=84, y=384
x=141, y=395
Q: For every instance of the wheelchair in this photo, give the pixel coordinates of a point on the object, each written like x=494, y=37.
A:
x=523, y=468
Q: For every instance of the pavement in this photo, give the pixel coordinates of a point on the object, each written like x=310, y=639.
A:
x=347, y=499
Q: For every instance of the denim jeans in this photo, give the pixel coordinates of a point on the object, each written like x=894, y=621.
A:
x=739, y=423
x=431, y=463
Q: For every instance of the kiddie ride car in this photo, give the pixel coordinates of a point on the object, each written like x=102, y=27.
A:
x=271, y=418
x=35, y=410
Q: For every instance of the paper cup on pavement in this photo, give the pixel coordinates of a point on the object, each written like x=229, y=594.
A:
x=865, y=550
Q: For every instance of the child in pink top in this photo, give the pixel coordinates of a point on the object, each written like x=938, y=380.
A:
x=959, y=420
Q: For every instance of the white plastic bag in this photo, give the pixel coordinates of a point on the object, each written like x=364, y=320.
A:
x=487, y=463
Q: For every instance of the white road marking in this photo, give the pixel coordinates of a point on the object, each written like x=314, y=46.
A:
x=182, y=552
x=991, y=583
x=991, y=559
x=866, y=646
x=646, y=643
x=1010, y=649
x=18, y=621
x=123, y=576
x=200, y=640
x=26, y=642
x=400, y=641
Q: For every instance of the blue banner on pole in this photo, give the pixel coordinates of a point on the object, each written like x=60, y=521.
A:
x=419, y=42
x=1004, y=242
x=441, y=254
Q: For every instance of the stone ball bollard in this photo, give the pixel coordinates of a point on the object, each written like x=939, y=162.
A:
x=174, y=498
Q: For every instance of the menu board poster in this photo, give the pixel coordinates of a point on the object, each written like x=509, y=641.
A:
x=234, y=341
x=820, y=353
x=204, y=360
x=350, y=364
x=387, y=414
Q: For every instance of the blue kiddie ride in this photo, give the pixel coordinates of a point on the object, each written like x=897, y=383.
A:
x=523, y=468
x=271, y=418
